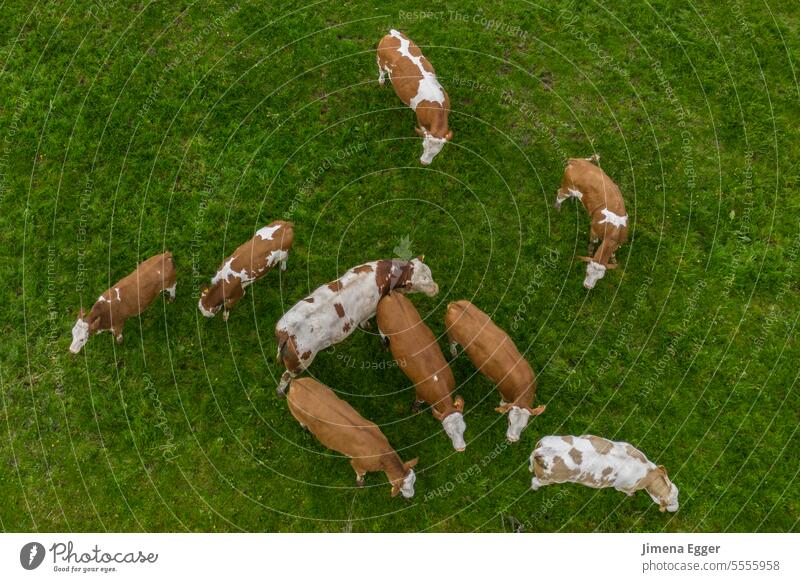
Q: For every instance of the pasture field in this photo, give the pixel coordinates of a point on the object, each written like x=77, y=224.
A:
x=131, y=127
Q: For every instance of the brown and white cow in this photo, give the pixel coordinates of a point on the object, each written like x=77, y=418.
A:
x=493, y=352
x=248, y=263
x=338, y=426
x=129, y=297
x=603, y=201
x=415, y=350
x=599, y=463
x=333, y=311
x=414, y=81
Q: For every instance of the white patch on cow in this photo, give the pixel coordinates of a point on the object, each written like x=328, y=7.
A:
x=267, y=232
x=80, y=335
x=117, y=290
x=226, y=272
x=435, y=377
x=277, y=256
x=102, y=299
x=575, y=193
x=594, y=272
x=517, y=421
x=407, y=490
x=429, y=88
x=455, y=426
x=205, y=311
x=613, y=219
x=431, y=146
x=171, y=290
x=422, y=279
x=615, y=468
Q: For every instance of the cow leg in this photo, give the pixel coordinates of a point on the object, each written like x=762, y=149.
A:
x=360, y=472
x=116, y=329
x=454, y=348
x=283, y=385
x=170, y=291
x=560, y=197
x=381, y=73
x=232, y=298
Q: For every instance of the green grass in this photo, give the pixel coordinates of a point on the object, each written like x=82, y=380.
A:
x=153, y=125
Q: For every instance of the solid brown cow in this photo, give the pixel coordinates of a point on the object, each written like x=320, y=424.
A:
x=248, y=263
x=339, y=427
x=414, y=81
x=603, y=201
x=415, y=350
x=129, y=297
x=493, y=352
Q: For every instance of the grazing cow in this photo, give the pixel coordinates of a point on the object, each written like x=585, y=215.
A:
x=332, y=312
x=597, y=462
x=493, y=352
x=248, y=263
x=129, y=297
x=414, y=81
x=415, y=350
x=603, y=201
x=338, y=426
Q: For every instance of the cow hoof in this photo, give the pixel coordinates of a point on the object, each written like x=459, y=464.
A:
x=360, y=482
x=119, y=339
x=417, y=406
x=225, y=315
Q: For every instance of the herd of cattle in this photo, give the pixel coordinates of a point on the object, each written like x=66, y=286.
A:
x=378, y=289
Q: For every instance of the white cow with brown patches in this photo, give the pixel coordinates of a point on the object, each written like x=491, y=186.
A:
x=603, y=201
x=333, y=311
x=599, y=463
x=270, y=246
x=127, y=298
x=414, y=81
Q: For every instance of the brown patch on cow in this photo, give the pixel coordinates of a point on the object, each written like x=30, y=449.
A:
x=601, y=445
x=576, y=456
x=309, y=300
x=607, y=471
x=560, y=471
x=339, y=309
x=305, y=355
x=336, y=286
x=567, y=439
x=362, y=269
x=635, y=453
x=346, y=327
x=392, y=274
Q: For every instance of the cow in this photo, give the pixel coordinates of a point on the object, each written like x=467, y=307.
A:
x=603, y=201
x=599, y=463
x=494, y=354
x=248, y=263
x=415, y=350
x=127, y=298
x=333, y=311
x=338, y=426
x=414, y=81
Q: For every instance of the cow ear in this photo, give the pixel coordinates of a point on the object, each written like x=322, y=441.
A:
x=449, y=135
x=421, y=258
x=412, y=463
x=437, y=415
x=419, y=131
x=537, y=411
x=503, y=409
x=458, y=404
x=663, y=469
x=612, y=266
x=81, y=313
x=584, y=259
x=395, y=490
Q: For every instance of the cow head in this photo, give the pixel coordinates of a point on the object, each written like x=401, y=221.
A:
x=663, y=491
x=82, y=330
x=422, y=278
x=518, y=418
x=209, y=311
x=454, y=424
x=594, y=271
x=431, y=145
x=405, y=486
